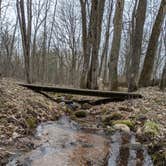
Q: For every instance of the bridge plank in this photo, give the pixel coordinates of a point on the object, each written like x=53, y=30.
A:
x=84, y=92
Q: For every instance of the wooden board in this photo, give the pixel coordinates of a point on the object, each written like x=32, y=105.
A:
x=83, y=92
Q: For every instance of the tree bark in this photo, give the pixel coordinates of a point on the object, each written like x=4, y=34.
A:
x=131, y=39
x=97, y=17
x=114, y=54
x=146, y=74
x=83, y=81
x=103, y=62
x=136, y=45
x=91, y=42
x=44, y=44
x=25, y=33
x=163, y=78
x=0, y=7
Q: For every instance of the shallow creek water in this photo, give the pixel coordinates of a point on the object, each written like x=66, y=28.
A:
x=63, y=143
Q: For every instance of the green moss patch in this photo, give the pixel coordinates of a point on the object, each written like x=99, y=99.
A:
x=31, y=122
x=81, y=114
x=151, y=128
x=129, y=123
x=106, y=119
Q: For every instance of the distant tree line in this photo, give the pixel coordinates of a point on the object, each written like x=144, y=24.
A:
x=93, y=44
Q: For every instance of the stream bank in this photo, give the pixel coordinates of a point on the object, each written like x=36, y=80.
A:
x=22, y=110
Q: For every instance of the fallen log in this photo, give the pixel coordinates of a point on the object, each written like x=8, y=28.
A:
x=84, y=92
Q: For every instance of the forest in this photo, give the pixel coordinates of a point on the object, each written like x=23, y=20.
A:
x=95, y=45
x=82, y=82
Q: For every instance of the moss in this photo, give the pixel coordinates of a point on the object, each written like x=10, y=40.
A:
x=110, y=131
x=107, y=119
x=129, y=123
x=151, y=128
x=31, y=122
x=159, y=158
x=81, y=114
x=158, y=153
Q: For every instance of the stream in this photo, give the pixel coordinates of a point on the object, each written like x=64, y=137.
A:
x=64, y=143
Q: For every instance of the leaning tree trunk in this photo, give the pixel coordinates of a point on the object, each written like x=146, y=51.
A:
x=136, y=45
x=114, y=54
x=163, y=78
x=146, y=74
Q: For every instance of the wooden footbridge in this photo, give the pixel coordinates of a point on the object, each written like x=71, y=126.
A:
x=112, y=95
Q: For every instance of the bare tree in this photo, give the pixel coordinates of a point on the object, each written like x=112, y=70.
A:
x=114, y=54
x=136, y=45
x=130, y=38
x=97, y=11
x=146, y=74
x=163, y=78
x=52, y=26
x=0, y=7
x=85, y=38
x=25, y=28
x=35, y=60
x=91, y=41
x=103, y=61
x=44, y=44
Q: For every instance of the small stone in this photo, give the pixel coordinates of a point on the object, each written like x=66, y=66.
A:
x=122, y=127
x=15, y=135
x=139, y=132
x=86, y=106
x=141, y=118
x=62, y=103
x=126, y=109
x=129, y=123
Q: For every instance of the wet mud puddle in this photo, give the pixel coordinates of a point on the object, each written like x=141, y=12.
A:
x=62, y=143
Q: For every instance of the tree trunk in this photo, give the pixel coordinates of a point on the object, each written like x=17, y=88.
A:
x=44, y=44
x=114, y=54
x=52, y=27
x=163, y=78
x=25, y=33
x=146, y=74
x=136, y=45
x=106, y=42
x=0, y=7
x=83, y=81
x=97, y=17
